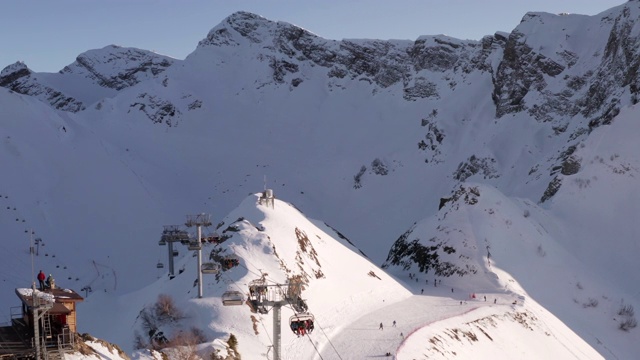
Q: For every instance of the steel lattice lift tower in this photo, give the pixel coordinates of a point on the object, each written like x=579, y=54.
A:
x=198, y=221
x=171, y=234
x=275, y=296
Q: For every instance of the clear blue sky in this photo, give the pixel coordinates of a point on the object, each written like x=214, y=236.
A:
x=48, y=34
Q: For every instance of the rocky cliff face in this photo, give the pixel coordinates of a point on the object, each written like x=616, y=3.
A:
x=383, y=63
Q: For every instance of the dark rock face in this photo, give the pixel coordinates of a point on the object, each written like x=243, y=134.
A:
x=12, y=73
x=383, y=63
x=521, y=70
x=156, y=109
x=475, y=165
x=441, y=57
x=436, y=253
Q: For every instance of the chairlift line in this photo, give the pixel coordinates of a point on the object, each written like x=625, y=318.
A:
x=232, y=298
x=210, y=268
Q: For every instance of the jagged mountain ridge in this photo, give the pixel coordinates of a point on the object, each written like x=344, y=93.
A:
x=521, y=71
x=523, y=115
x=95, y=74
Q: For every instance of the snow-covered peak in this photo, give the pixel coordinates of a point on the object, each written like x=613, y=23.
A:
x=244, y=26
x=15, y=67
x=13, y=72
x=119, y=67
x=277, y=243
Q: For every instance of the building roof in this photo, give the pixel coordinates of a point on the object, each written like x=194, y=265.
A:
x=53, y=296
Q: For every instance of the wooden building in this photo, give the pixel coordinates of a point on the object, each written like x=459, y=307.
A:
x=62, y=312
x=54, y=312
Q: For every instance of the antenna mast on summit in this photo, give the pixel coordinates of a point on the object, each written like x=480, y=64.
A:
x=265, y=183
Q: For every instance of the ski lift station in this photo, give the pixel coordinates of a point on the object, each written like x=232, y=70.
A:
x=44, y=326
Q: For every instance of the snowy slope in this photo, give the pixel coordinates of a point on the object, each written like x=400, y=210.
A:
x=346, y=293
x=366, y=135
x=340, y=284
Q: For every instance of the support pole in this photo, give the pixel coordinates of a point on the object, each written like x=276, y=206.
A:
x=170, y=247
x=199, y=261
x=277, y=335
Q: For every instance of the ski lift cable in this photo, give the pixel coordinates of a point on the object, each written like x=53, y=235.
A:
x=262, y=323
x=256, y=274
x=292, y=308
x=234, y=283
x=329, y=340
x=315, y=321
x=311, y=341
x=316, y=348
x=266, y=332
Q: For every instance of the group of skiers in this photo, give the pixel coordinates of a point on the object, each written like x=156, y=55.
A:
x=49, y=283
x=302, y=327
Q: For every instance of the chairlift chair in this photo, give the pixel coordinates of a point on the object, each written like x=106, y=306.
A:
x=194, y=245
x=302, y=323
x=160, y=265
x=175, y=253
x=210, y=268
x=213, y=238
x=162, y=241
x=230, y=261
x=232, y=298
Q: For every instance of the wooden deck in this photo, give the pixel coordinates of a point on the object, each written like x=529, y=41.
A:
x=15, y=342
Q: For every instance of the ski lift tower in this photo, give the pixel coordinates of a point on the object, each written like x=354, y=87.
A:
x=171, y=234
x=39, y=305
x=267, y=198
x=198, y=221
x=275, y=296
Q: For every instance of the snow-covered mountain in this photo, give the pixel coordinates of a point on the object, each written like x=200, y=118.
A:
x=434, y=157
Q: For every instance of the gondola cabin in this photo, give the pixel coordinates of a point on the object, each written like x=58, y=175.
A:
x=232, y=298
